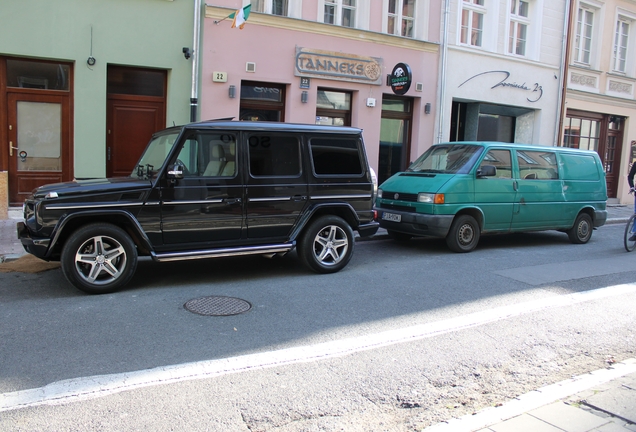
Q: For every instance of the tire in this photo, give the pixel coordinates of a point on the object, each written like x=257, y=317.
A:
x=464, y=234
x=326, y=245
x=629, y=245
x=581, y=232
x=398, y=236
x=99, y=258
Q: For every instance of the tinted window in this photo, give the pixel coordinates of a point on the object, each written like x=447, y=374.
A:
x=335, y=156
x=274, y=155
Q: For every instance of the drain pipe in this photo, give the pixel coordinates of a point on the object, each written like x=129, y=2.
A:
x=441, y=93
x=564, y=69
x=194, y=95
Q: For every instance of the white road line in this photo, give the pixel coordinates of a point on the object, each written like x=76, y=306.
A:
x=102, y=385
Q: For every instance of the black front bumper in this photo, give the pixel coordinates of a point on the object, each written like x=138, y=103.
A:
x=417, y=224
x=34, y=246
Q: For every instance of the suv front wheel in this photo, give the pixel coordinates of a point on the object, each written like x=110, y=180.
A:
x=99, y=258
x=326, y=246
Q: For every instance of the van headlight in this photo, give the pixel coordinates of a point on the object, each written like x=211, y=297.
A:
x=430, y=198
x=379, y=193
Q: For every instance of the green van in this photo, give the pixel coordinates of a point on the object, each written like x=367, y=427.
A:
x=461, y=190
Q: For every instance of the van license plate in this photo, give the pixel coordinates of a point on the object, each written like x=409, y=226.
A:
x=391, y=217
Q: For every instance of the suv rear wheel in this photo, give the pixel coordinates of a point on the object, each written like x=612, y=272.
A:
x=326, y=246
x=99, y=258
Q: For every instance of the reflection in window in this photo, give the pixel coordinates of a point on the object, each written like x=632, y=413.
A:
x=38, y=75
x=518, y=27
x=583, y=37
x=274, y=7
x=537, y=165
x=472, y=26
x=501, y=160
x=274, y=155
x=340, y=12
x=333, y=108
x=335, y=156
x=401, y=18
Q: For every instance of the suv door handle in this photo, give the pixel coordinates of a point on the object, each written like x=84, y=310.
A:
x=229, y=201
x=299, y=198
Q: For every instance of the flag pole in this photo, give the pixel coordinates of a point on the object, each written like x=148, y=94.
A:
x=217, y=22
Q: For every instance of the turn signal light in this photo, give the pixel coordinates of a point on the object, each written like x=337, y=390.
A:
x=439, y=199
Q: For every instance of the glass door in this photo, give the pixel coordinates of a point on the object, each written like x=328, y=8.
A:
x=395, y=132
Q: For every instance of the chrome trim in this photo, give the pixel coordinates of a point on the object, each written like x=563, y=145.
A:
x=89, y=206
x=223, y=252
x=269, y=199
x=214, y=201
x=316, y=197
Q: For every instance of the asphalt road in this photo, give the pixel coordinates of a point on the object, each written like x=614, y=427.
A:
x=408, y=334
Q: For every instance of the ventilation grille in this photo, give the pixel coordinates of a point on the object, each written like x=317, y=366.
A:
x=250, y=67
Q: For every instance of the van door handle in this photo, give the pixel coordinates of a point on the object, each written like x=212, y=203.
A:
x=515, y=185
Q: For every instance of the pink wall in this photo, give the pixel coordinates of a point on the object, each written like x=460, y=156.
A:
x=273, y=50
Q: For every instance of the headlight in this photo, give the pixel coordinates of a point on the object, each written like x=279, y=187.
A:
x=379, y=193
x=430, y=198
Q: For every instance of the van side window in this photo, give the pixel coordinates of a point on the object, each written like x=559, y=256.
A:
x=335, y=156
x=501, y=160
x=209, y=155
x=537, y=165
x=274, y=155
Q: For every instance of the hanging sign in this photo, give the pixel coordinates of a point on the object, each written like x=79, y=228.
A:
x=400, y=79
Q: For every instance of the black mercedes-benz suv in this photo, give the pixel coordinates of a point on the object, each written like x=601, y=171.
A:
x=210, y=189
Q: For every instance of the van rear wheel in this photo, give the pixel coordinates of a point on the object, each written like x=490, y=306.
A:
x=581, y=232
x=463, y=235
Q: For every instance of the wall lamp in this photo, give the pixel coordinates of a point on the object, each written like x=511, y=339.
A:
x=232, y=92
x=427, y=108
x=304, y=96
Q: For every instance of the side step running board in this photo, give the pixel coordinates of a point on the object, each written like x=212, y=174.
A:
x=223, y=252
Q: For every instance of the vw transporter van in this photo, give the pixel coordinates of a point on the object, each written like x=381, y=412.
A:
x=461, y=190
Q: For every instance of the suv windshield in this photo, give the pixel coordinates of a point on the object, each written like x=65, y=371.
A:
x=447, y=159
x=155, y=155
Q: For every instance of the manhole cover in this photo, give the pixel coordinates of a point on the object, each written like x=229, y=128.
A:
x=217, y=306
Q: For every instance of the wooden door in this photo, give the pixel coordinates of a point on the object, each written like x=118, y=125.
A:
x=611, y=156
x=39, y=146
x=131, y=122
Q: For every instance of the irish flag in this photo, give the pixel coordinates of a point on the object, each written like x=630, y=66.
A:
x=240, y=16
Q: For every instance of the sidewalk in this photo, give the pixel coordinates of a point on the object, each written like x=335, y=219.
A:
x=601, y=401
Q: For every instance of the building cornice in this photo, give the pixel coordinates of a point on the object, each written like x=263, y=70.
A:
x=507, y=58
x=600, y=99
x=298, y=25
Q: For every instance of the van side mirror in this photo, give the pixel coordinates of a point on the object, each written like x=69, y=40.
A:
x=487, y=171
x=176, y=171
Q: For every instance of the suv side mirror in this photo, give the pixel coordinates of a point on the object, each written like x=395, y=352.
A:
x=176, y=171
x=487, y=171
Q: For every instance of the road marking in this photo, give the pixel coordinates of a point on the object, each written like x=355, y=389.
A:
x=84, y=388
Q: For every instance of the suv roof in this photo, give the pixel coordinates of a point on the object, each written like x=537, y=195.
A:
x=271, y=126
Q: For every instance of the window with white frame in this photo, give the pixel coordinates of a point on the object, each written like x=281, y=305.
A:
x=519, y=23
x=621, y=39
x=472, y=24
x=274, y=7
x=401, y=18
x=340, y=12
x=583, y=36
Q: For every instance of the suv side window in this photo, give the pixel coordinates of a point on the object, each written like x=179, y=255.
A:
x=335, y=156
x=274, y=155
x=209, y=155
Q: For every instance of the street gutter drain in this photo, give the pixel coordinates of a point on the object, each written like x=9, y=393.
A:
x=217, y=306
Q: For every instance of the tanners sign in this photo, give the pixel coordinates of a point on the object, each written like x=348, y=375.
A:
x=338, y=66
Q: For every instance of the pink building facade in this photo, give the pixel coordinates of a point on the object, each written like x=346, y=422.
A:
x=376, y=67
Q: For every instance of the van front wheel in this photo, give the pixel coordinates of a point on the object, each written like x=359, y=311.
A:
x=581, y=232
x=463, y=235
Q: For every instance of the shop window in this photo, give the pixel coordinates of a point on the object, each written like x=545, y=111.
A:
x=340, y=12
x=581, y=133
x=400, y=18
x=38, y=75
x=262, y=101
x=333, y=108
x=472, y=24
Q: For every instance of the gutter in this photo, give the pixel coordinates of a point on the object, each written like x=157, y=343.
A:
x=194, y=95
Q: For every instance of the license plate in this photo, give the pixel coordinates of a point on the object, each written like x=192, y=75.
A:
x=391, y=217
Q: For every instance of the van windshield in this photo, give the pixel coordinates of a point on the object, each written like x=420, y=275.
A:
x=447, y=159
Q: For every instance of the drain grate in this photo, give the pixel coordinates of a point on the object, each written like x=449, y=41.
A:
x=217, y=306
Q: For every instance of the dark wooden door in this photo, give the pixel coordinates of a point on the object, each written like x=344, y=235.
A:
x=131, y=121
x=611, y=155
x=40, y=142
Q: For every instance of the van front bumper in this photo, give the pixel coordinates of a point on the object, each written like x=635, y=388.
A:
x=416, y=224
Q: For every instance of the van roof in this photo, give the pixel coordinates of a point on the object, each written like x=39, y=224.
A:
x=517, y=146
